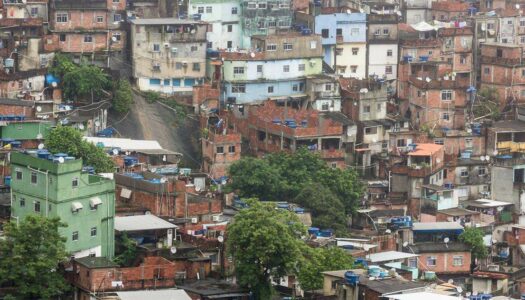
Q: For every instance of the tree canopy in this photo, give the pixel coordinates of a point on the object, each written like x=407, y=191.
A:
x=474, y=238
x=123, y=97
x=282, y=177
x=317, y=260
x=79, y=81
x=29, y=257
x=65, y=139
x=264, y=243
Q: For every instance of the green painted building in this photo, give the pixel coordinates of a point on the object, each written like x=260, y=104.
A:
x=85, y=202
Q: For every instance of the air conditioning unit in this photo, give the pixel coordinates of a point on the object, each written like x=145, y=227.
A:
x=493, y=268
x=184, y=64
x=215, y=218
x=174, y=50
x=166, y=45
x=194, y=220
x=312, y=63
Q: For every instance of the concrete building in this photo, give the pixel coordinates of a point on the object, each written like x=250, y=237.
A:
x=416, y=11
x=450, y=11
x=264, y=18
x=382, y=38
x=168, y=55
x=85, y=202
x=223, y=17
x=277, y=71
x=87, y=28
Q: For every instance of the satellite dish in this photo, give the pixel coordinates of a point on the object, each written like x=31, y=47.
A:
x=405, y=244
x=428, y=79
x=482, y=158
x=450, y=281
x=494, y=241
x=469, y=130
x=252, y=55
x=81, y=126
x=388, y=231
x=220, y=239
x=363, y=91
x=487, y=158
x=54, y=84
x=39, y=136
x=173, y=250
x=198, y=188
x=446, y=240
x=113, y=39
x=153, y=170
x=97, y=123
x=495, y=152
x=348, y=11
x=40, y=146
x=438, y=160
x=468, y=294
x=115, y=151
x=163, y=180
x=517, y=6
x=39, y=108
x=499, y=208
x=164, y=158
x=474, y=293
x=61, y=160
x=459, y=289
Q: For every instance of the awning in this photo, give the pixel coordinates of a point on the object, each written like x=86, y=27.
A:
x=95, y=201
x=76, y=206
x=141, y=222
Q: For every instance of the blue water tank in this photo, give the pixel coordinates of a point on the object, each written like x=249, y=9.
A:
x=130, y=161
x=313, y=230
x=43, y=154
x=522, y=296
x=7, y=180
x=306, y=31
x=423, y=58
x=276, y=121
x=476, y=128
x=299, y=210
x=351, y=278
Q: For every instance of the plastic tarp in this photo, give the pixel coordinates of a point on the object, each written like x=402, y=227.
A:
x=423, y=26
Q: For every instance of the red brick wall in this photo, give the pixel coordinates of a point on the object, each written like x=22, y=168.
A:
x=444, y=262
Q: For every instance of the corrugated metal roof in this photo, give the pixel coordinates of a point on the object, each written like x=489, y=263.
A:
x=125, y=144
x=171, y=294
x=389, y=256
x=142, y=222
x=422, y=295
x=436, y=226
x=164, y=21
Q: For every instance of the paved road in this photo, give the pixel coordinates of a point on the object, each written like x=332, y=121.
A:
x=157, y=122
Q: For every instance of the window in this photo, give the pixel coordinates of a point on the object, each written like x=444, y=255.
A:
x=457, y=260
x=230, y=29
x=200, y=9
x=22, y=202
x=386, y=31
x=490, y=26
x=509, y=22
x=234, y=10
x=252, y=5
x=301, y=67
x=464, y=173
x=445, y=116
x=88, y=38
x=324, y=33
x=371, y=130
x=325, y=106
x=401, y=143
x=74, y=236
x=431, y=261
x=209, y=45
x=389, y=52
x=388, y=70
x=295, y=88
x=482, y=171
x=468, y=142
x=18, y=175
x=74, y=182
x=194, y=48
x=34, y=178
x=231, y=149
x=262, y=6
x=355, y=51
x=463, y=60
x=178, y=65
x=522, y=39
x=117, y=36
x=61, y=17
x=522, y=23
x=156, y=47
x=238, y=88
x=486, y=70
x=378, y=107
x=523, y=73
x=270, y=89
x=339, y=32
x=353, y=69
x=272, y=23
x=328, y=87
x=271, y=47
x=62, y=37
x=117, y=18
x=208, y=9
x=229, y=44
x=34, y=11
x=287, y=47
x=313, y=44
x=238, y=70
x=499, y=53
x=446, y=95
x=196, y=67
x=504, y=41
x=220, y=150
x=366, y=108
x=301, y=86
x=154, y=81
x=93, y=231
x=37, y=206
x=100, y=19
x=259, y=68
x=286, y=68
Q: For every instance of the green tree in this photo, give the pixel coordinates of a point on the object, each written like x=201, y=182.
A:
x=129, y=251
x=62, y=64
x=487, y=104
x=65, y=139
x=474, y=238
x=264, y=243
x=282, y=176
x=318, y=260
x=29, y=258
x=123, y=97
x=326, y=208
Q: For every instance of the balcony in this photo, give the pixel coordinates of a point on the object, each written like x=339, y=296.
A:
x=510, y=146
x=186, y=37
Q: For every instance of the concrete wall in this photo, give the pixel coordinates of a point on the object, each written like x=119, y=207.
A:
x=378, y=60
x=502, y=186
x=347, y=59
x=259, y=91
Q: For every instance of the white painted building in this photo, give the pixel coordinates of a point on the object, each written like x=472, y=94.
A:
x=383, y=59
